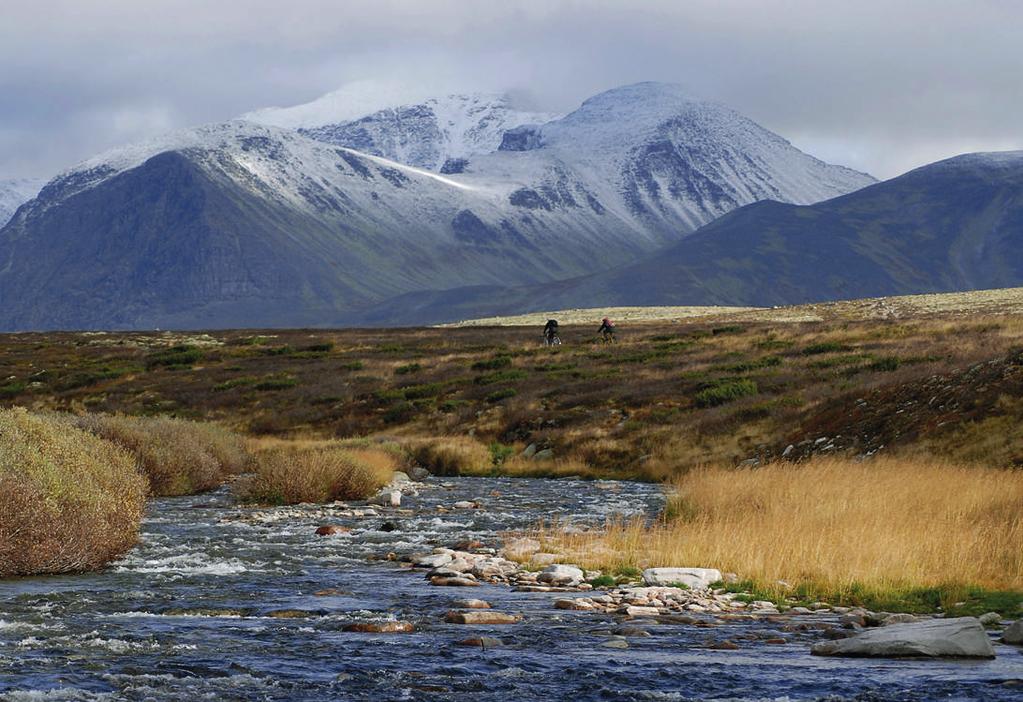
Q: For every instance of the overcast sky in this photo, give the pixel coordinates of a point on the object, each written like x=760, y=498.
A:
x=882, y=86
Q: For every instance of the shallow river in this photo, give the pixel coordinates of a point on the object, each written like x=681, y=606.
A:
x=121, y=635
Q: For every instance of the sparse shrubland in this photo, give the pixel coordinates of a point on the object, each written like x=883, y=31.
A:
x=317, y=472
x=71, y=501
x=177, y=456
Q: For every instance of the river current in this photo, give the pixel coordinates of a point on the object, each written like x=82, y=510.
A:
x=184, y=617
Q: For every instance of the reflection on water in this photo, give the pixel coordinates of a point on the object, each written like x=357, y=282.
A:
x=184, y=616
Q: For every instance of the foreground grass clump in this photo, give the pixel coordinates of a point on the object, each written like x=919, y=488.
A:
x=322, y=472
x=71, y=501
x=178, y=456
x=893, y=533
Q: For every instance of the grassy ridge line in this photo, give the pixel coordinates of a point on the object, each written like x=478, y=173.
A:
x=667, y=397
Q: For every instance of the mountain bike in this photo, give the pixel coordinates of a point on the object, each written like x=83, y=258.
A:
x=551, y=339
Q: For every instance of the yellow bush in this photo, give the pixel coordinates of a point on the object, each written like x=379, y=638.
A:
x=71, y=501
x=321, y=473
x=178, y=456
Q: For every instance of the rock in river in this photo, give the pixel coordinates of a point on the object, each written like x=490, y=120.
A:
x=561, y=575
x=331, y=530
x=1014, y=634
x=963, y=637
x=693, y=578
x=481, y=616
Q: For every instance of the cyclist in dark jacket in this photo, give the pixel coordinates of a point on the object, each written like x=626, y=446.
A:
x=607, y=330
x=550, y=332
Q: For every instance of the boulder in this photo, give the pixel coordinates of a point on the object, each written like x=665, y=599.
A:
x=963, y=637
x=483, y=642
x=418, y=473
x=387, y=498
x=530, y=451
x=1014, y=634
x=481, y=616
x=380, y=627
x=893, y=619
x=693, y=578
x=432, y=560
x=990, y=619
x=453, y=581
x=545, y=455
x=331, y=530
x=574, y=604
x=558, y=574
x=471, y=604
x=640, y=611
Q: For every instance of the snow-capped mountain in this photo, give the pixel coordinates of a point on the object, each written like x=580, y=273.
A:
x=436, y=133
x=242, y=224
x=14, y=193
x=950, y=226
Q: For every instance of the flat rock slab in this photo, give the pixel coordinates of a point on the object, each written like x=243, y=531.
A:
x=963, y=637
x=481, y=616
x=693, y=578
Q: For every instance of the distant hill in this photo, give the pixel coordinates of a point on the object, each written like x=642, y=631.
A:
x=955, y=225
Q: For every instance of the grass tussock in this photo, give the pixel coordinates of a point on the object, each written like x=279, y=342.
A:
x=451, y=455
x=834, y=529
x=320, y=473
x=71, y=501
x=178, y=456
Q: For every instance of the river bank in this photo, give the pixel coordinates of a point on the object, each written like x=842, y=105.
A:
x=249, y=603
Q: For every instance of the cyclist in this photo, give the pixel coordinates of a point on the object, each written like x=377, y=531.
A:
x=550, y=333
x=607, y=331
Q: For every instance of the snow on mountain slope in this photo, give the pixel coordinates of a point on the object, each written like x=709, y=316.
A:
x=650, y=152
x=404, y=124
x=437, y=134
x=243, y=224
x=14, y=193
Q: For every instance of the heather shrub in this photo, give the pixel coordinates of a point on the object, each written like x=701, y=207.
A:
x=316, y=473
x=71, y=501
x=178, y=456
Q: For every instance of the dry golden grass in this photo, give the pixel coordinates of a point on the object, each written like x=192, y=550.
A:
x=831, y=526
x=179, y=457
x=71, y=501
x=320, y=473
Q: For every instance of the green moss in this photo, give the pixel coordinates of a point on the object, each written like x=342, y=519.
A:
x=725, y=392
x=824, y=347
x=502, y=394
x=408, y=369
x=495, y=363
x=176, y=356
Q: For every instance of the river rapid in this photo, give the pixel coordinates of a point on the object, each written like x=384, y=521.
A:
x=184, y=617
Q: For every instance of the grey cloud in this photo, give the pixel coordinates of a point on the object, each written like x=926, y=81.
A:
x=880, y=86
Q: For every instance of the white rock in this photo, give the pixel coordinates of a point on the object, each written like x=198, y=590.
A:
x=558, y=574
x=1014, y=634
x=433, y=560
x=636, y=611
x=464, y=504
x=963, y=637
x=694, y=578
x=990, y=619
